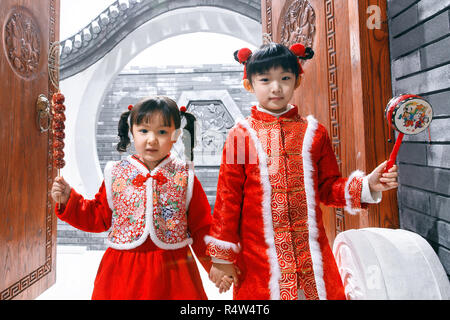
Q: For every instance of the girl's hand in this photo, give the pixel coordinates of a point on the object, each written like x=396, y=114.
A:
x=225, y=284
x=60, y=190
x=380, y=181
x=219, y=271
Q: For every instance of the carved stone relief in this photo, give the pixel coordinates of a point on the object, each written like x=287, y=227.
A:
x=350, y=272
x=22, y=42
x=213, y=124
x=298, y=24
x=216, y=114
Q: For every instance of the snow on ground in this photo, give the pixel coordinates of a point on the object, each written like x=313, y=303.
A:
x=76, y=268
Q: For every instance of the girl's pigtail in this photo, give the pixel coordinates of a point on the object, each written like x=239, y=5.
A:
x=190, y=127
x=301, y=52
x=242, y=56
x=124, y=128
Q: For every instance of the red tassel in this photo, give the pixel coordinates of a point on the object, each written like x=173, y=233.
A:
x=244, y=54
x=298, y=49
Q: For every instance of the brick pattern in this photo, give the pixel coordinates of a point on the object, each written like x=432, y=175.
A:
x=134, y=84
x=419, y=42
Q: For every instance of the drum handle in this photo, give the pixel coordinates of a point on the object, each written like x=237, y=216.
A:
x=394, y=152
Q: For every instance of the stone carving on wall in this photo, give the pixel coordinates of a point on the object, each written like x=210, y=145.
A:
x=298, y=24
x=216, y=114
x=213, y=124
x=22, y=42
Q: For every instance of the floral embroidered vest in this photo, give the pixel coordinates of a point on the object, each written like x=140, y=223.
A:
x=148, y=203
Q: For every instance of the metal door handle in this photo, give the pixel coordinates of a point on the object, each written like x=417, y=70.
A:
x=43, y=110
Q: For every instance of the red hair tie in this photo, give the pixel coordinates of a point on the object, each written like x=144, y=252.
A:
x=130, y=107
x=183, y=109
x=243, y=56
x=300, y=51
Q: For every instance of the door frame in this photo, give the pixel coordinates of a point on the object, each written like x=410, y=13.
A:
x=33, y=284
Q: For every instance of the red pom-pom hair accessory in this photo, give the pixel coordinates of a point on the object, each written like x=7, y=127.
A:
x=183, y=109
x=242, y=56
x=130, y=107
x=301, y=52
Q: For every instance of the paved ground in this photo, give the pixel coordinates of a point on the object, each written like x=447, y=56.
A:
x=76, y=268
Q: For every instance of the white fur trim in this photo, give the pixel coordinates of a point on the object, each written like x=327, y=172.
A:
x=348, y=198
x=143, y=169
x=368, y=196
x=190, y=189
x=222, y=244
x=107, y=176
x=221, y=261
x=314, y=246
x=275, y=273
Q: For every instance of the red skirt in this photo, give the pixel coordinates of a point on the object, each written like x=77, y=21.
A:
x=148, y=273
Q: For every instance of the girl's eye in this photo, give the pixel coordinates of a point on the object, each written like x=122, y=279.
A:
x=143, y=130
x=286, y=78
x=263, y=79
x=162, y=131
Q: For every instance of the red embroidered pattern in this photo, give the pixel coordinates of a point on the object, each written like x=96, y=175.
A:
x=282, y=142
x=280, y=207
x=285, y=251
x=169, y=205
x=288, y=286
x=129, y=197
x=304, y=265
x=354, y=190
x=129, y=201
x=219, y=252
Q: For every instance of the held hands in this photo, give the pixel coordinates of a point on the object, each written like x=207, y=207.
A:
x=224, y=275
x=60, y=190
x=381, y=181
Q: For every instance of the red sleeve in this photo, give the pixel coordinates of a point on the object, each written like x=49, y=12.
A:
x=199, y=222
x=334, y=190
x=223, y=241
x=87, y=215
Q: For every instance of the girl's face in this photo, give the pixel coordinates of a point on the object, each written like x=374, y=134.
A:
x=153, y=140
x=273, y=89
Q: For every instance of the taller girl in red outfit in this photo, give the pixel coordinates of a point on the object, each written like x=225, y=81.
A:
x=277, y=167
x=154, y=207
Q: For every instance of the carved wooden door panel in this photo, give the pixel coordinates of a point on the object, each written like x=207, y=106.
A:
x=346, y=86
x=27, y=223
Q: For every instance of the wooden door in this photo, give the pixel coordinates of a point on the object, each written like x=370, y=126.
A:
x=346, y=86
x=27, y=223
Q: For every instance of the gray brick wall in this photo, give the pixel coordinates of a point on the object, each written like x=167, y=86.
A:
x=420, y=54
x=136, y=83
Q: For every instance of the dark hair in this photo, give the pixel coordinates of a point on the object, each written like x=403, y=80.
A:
x=144, y=110
x=270, y=56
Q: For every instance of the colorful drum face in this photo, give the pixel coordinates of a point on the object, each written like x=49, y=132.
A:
x=409, y=114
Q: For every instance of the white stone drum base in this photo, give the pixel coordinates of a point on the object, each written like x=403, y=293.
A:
x=387, y=264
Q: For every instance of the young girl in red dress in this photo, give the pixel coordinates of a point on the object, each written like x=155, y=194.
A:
x=154, y=208
x=277, y=167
